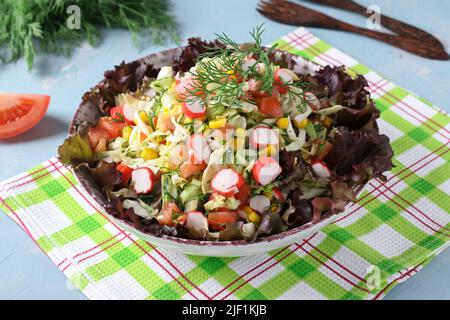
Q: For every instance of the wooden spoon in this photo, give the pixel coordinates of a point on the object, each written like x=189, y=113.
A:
x=295, y=14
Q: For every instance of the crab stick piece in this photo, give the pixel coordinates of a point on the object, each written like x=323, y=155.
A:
x=194, y=109
x=265, y=170
x=262, y=136
x=320, y=169
x=227, y=182
x=143, y=180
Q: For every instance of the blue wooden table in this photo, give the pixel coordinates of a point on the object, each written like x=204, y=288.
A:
x=26, y=273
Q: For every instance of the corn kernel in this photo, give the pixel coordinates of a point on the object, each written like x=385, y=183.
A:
x=283, y=123
x=327, y=122
x=239, y=143
x=301, y=124
x=248, y=210
x=230, y=72
x=176, y=109
x=240, y=133
x=254, y=217
x=217, y=124
x=268, y=194
x=149, y=154
x=144, y=116
x=268, y=151
x=126, y=132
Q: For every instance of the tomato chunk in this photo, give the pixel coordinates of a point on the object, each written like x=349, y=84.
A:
x=117, y=114
x=171, y=215
x=218, y=220
x=125, y=171
x=20, y=112
x=112, y=127
x=270, y=106
x=243, y=195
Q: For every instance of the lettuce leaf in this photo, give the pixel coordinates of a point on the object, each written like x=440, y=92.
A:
x=334, y=86
x=75, y=150
x=361, y=154
x=106, y=174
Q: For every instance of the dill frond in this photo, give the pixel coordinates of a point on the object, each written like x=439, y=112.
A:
x=29, y=27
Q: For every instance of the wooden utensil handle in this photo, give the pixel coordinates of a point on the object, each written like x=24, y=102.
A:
x=295, y=14
x=399, y=27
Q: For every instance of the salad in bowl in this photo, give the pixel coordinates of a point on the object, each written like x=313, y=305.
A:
x=219, y=143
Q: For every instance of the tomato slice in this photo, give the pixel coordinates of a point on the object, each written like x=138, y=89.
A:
x=126, y=173
x=270, y=106
x=20, y=112
x=217, y=220
x=171, y=215
x=243, y=195
x=117, y=113
x=112, y=127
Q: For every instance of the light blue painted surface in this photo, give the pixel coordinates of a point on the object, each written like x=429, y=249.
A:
x=27, y=273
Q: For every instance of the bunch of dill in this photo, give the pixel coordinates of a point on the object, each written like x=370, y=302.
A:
x=51, y=26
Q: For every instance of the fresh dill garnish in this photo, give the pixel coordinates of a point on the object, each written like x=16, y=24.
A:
x=118, y=117
x=220, y=75
x=27, y=27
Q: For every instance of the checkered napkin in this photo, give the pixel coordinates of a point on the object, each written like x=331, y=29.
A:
x=393, y=230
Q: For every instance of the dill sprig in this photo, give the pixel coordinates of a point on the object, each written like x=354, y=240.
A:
x=28, y=27
x=220, y=76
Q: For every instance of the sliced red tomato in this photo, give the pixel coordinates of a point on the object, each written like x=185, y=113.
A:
x=270, y=106
x=243, y=195
x=112, y=127
x=117, y=113
x=171, y=215
x=125, y=171
x=20, y=112
x=217, y=220
x=189, y=169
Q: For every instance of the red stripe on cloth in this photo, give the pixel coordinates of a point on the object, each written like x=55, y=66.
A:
x=336, y=262
x=417, y=209
x=378, y=82
x=334, y=271
x=378, y=188
x=414, y=110
x=247, y=281
x=99, y=245
x=65, y=268
x=139, y=246
x=330, y=60
x=103, y=249
x=27, y=175
x=412, y=215
x=408, y=273
x=396, y=104
x=403, y=170
x=95, y=253
x=10, y=187
x=59, y=264
x=250, y=271
x=296, y=40
x=289, y=43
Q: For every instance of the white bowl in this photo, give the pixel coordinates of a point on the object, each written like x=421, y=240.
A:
x=187, y=246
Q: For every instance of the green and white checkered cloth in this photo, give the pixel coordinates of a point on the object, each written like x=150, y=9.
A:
x=393, y=230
